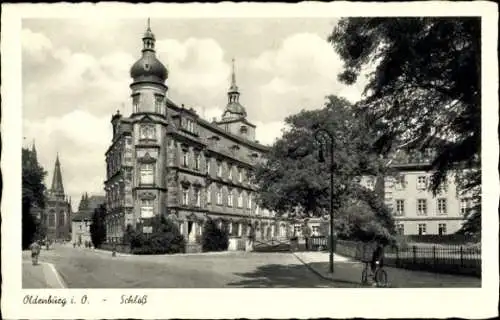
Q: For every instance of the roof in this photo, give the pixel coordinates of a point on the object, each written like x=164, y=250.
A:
x=93, y=203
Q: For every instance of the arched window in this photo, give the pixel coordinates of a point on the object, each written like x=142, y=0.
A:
x=52, y=218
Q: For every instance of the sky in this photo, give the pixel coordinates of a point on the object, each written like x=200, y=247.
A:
x=75, y=75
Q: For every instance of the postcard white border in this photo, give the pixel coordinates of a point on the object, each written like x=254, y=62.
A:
x=248, y=303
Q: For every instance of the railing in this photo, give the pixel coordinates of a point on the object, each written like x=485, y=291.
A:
x=461, y=259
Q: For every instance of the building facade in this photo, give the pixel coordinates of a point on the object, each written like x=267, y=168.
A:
x=165, y=159
x=57, y=213
x=416, y=209
x=80, y=227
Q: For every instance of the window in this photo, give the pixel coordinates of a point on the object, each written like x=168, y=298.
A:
x=230, y=175
x=400, y=182
x=422, y=207
x=464, y=206
x=136, y=102
x=240, y=229
x=230, y=229
x=146, y=208
x=442, y=206
x=147, y=173
x=219, y=197
x=230, y=198
x=185, y=196
x=197, y=197
x=257, y=210
x=197, y=162
x=400, y=207
x=400, y=229
x=148, y=132
x=185, y=158
x=240, y=200
x=209, y=195
x=249, y=201
x=240, y=175
x=219, y=169
x=422, y=229
x=421, y=182
x=442, y=229
x=158, y=103
x=61, y=218
x=208, y=165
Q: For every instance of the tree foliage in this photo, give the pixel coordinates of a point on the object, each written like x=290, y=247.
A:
x=292, y=177
x=33, y=197
x=98, y=226
x=164, y=239
x=425, y=84
x=214, y=238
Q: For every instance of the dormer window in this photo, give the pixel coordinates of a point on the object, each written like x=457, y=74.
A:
x=243, y=129
x=189, y=125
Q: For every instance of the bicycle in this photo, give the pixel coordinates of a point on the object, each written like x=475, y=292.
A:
x=380, y=276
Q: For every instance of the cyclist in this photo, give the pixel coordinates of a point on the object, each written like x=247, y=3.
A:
x=377, y=257
x=35, y=252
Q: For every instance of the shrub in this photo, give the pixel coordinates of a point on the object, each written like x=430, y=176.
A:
x=214, y=238
x=165, y=238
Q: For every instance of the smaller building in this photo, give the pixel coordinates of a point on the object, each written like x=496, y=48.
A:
x=83, y=218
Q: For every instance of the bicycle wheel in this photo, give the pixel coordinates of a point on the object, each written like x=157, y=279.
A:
x=381, y=278
x=364, y=276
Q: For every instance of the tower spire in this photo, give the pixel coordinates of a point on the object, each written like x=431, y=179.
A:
x=57, y=184
x=233, y=75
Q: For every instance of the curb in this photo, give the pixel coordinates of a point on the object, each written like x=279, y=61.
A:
x=319, y=274
x=60, y=282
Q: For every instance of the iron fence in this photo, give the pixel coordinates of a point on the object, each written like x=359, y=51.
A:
x=461, y=259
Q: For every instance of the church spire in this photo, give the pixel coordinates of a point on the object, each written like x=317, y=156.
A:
x=57, y=184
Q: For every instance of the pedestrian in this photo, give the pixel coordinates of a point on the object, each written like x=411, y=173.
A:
x=35, y=252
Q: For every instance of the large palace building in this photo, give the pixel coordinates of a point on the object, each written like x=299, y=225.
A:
x=164, y=159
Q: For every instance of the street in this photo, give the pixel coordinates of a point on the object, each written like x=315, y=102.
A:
x=88, y=268
x=85, y=268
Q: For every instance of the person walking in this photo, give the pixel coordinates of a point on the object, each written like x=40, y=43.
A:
x=35, y=252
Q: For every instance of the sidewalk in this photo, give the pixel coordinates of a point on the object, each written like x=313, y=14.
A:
x=41, y=276
x=347, y=273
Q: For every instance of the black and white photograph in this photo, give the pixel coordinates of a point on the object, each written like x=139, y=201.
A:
x=215, y=149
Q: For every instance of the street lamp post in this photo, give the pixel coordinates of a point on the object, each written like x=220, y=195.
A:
x=320, y=137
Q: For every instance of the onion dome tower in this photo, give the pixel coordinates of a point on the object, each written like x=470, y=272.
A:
x=148, y=78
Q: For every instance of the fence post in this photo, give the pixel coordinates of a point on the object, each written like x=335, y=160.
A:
x=461, y=256
x=414, y=254
x=397, y=256
x=434, y=256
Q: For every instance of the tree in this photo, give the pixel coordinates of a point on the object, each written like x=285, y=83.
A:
x=425, y=85
x=164, y=239
x=98, y=226
x=213, y=237
x=33, y=196
x=292, y=177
